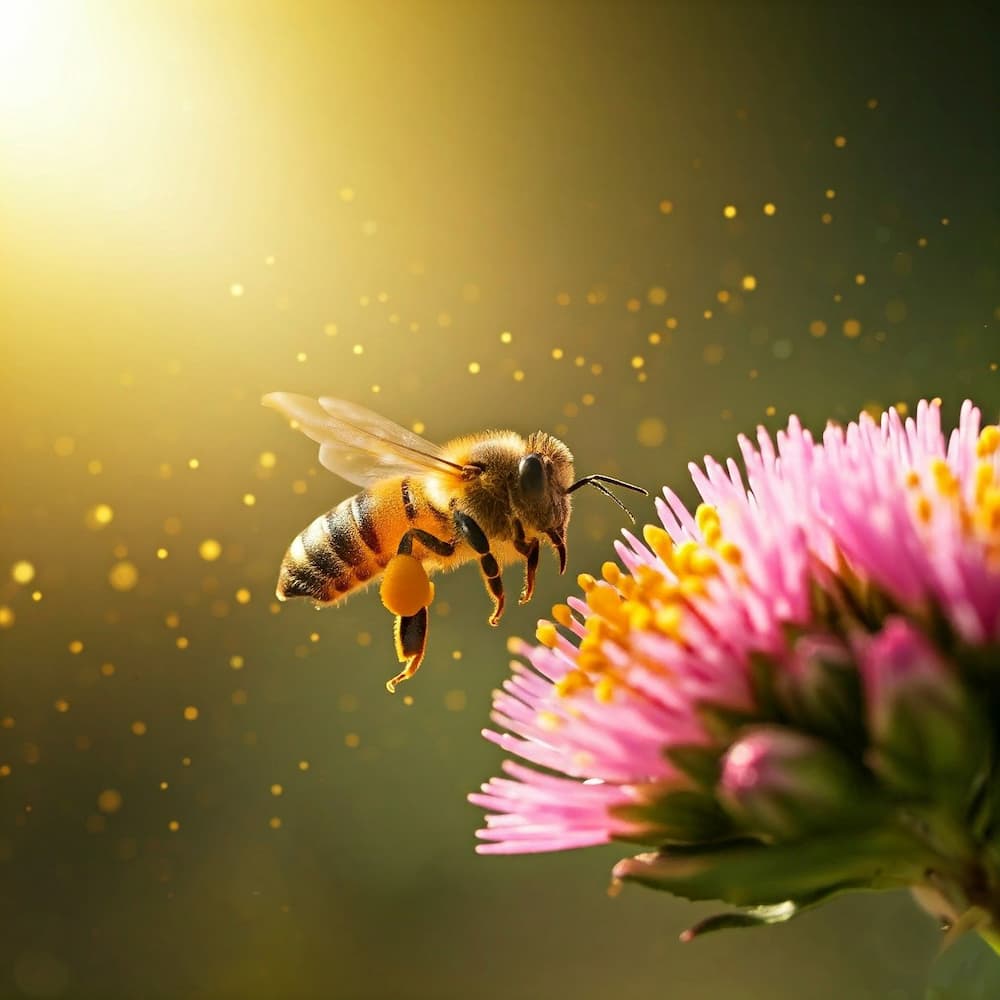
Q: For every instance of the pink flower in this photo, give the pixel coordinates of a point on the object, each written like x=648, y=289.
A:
x=846, y=590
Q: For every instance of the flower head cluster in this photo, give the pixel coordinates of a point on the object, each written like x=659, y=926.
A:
x=792, y=692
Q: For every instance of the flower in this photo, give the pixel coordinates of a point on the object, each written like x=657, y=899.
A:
x=790, y=693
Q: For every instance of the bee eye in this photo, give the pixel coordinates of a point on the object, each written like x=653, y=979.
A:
x=531, y=473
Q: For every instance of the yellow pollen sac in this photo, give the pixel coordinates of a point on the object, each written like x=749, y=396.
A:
x=611, y=573
x=660, y=542
x=692, y=586
x=406, y=588
x=604, y=690
x=592, y=661
x=639, y=615
x=707, y=518
x=913, y=479
x=668, y=620
x=702, y=564
x=731, y=553
x=605, y=602
x=546, y=634
x=574, y=681
x=944, y=478
x=562, y=614
x=925, y=509
x=713, y=535
x=989, y=441
x=586, y=582
x=988, y=512
x=683, y=555
x=985, y=476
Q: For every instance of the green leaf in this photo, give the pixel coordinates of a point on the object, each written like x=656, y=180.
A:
x=681, y=816
x=970, y=970
x=750, y=873
x=699, y=763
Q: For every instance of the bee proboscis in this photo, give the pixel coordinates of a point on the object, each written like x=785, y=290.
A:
x=493, y=497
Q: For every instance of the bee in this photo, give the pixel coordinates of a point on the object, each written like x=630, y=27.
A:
x=493, y=497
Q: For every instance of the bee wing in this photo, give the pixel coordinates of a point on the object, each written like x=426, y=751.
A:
x=356, y=443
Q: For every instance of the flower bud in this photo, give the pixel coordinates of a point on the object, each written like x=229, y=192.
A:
x=783, y=784
x=927, y=736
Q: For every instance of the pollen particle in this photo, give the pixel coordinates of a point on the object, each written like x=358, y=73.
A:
x=210, y=549
x=191, y=713
x=749, y=282
x=852, y=328
x=99, y=516
x=770, y=208
x=22, y=572
x=666, y=206
x=123, y=576
x=236, y=290
x=657, y=295
x=75, y=647
x=139, y=728
x=109, y=801
x=638, y=361
x=277, y=789
x=651, y=432
x=729, y=211
x=474, y=368
x=242, y=596
x=7, y=617
x=817, y=328
x=506, y=337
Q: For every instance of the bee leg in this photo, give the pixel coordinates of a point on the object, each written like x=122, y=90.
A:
x=410, y=632
x=559, y=544
x=429, y=541
x=476, y=537
x=530, y=552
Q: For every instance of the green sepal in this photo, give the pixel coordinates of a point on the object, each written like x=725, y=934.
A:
x=699, y=763
x=764, y=916
x=824, y=697
x=764, y=674
x=749, y=873
x=682, y=817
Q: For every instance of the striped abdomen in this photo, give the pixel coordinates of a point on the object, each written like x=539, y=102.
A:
x=340, y=551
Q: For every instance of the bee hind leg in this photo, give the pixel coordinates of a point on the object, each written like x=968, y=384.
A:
x=476, y=537
x=410, y=633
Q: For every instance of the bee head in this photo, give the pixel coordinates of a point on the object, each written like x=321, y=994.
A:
x=543, y=475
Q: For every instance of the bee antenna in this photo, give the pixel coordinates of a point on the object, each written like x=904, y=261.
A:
x=598, y=482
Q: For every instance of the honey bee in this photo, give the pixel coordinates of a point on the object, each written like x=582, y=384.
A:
x=492, y=497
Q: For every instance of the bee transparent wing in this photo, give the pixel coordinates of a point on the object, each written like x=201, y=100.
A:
x=356, y=443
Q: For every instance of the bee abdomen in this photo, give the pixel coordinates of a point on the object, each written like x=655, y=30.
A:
x=334, y=555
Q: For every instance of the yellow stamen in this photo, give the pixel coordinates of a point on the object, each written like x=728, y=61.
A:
x=668, y=620
x=604, y=689
x=586, y=582
x=562, y=614
x=702, y=563
x=912, y=479
x=924, y=509
x=730, y=551
x=546, y=634
x=944, y=478
x=605, y=602
x=707, y=518
x=989, y=441
x=548, y=721
x=570, y=683
x=660, y=542
x=611, y=573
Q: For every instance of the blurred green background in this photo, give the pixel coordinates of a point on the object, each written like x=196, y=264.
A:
x=645, y=228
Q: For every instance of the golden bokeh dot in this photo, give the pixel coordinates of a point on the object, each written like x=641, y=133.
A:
x=249, y=500
x=22, y=572
x=346, y=194
x=182, y=642
x=352, y=740
x=562, y=299
x=303, y=765
x=236, y=289
x=557, y=353
x=172, y=619
x=99, y=516
x=633, y=305
x=240, y=696
x=770, y=411
x=474, y=368
x=75, y=647
x=190, y=713
x=654, y=338
x=817, y=328
x=364, y=638
x=172, y=525
x=749, y=282
x=7, y=616
x=64, y=446
x=770, y=208
x=236, y=662
x=162, y=553
x=61, y=705
x=4, y=770
x=872, y=103
x=277, y=789
x=193, y=463
x=666, y=206
x=301, y=357
x=506, y=337
x=242, y=596
x=123, y=576
x=210, y=549
x=267, y=460
x=107, y=670
x=840, y=141
x=826, y=218
x=657, y=295
x=139, y=728
x=95, y=467
x=707, y=314
x=713, y=354
x=330, y=329
x=173, y=826
x=830, y=194
x=109, y=801
x=638, y=361
x=852, y=328
x=455, y=700
x=274, y=822
x=518, y=375
x=722, y=296
x=860, y=279
x=651, y=432
x=36, y=595
x=729, y=211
